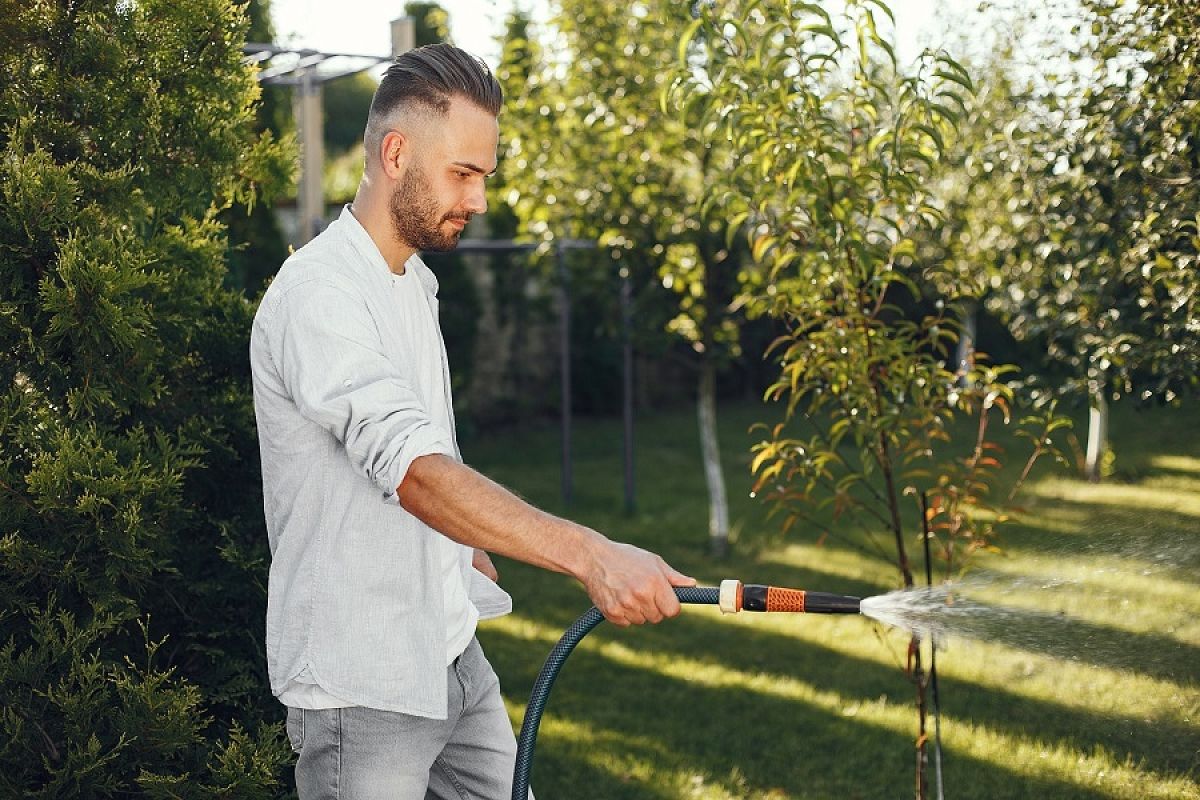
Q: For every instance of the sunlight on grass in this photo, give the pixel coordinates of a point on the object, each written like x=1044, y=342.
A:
x=1177, y=463
x=1033, y=675
x=1115, y=494
x=1099, y=770
x=1051, y=519
x=1119, y=688
x=1066, y=684
x=1037, y=678
x=1100, y=590
x=833, y=561
x=1089, y=589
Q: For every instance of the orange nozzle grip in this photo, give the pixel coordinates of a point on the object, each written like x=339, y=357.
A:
x=785, y=599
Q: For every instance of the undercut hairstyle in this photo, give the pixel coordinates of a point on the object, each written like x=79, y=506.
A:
x=429, y=78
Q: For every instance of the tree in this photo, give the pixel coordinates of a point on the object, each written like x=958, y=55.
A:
x=1007, y=148
x=132, y=558
x=835, y=148
x=1125, y=232
x=518, y=304
x=346, y=103
x=591, y=153
x=432, y=22
x=1089, y=187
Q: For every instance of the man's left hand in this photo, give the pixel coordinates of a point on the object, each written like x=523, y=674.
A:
x=483, y=562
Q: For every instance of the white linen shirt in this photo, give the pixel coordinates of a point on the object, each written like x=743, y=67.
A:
x=347, y=393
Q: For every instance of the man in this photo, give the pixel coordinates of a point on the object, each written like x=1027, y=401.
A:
x=379, y=534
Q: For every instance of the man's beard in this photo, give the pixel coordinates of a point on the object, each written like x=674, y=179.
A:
x=416, y=216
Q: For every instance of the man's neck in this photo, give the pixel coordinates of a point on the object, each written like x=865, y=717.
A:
x=372, y=213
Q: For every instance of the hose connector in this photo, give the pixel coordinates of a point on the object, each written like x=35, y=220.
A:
x=731, y=596
x=736, y=596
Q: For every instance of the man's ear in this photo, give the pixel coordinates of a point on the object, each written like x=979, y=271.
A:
x=395, y=151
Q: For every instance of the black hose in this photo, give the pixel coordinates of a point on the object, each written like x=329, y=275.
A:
x=545, y=680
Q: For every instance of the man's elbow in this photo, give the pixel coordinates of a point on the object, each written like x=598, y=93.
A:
x=421, y=480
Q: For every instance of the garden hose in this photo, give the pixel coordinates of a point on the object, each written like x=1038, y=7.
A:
x=733, y=596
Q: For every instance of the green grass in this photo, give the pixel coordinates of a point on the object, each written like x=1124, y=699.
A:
x=1101, y=702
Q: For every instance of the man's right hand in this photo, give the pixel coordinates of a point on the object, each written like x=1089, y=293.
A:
x=631, y=586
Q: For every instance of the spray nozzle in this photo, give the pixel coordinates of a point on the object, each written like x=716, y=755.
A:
x=736, y=596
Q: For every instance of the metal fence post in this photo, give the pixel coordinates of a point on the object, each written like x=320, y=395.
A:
x=565, y=365
x=627, y=393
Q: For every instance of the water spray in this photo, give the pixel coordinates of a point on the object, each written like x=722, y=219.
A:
x=732, y=597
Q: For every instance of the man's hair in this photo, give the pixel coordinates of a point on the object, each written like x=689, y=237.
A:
x=431, y=77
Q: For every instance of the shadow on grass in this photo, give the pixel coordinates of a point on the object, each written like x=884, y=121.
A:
x=1179, y=468
x=754, y=745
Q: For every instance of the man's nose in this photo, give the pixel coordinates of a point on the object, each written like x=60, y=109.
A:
x=476, y=200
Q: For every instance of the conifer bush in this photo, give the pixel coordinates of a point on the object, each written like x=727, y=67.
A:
x=132, y=560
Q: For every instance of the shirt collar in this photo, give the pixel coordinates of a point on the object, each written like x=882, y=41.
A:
x=353, y=230
x=365, y=245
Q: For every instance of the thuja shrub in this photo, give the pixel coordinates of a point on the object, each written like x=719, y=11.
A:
x=132, y=567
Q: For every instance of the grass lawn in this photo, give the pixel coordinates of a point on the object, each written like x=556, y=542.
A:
x=1101, y=701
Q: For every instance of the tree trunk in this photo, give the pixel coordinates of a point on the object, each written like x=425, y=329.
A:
x=964, y=358
x=714, y=477
x=1097, y=442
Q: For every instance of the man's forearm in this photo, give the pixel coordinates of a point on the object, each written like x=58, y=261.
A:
x=629, y=585
x=471, y=509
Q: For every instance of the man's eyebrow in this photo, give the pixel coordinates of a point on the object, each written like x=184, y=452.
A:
x=474, y=168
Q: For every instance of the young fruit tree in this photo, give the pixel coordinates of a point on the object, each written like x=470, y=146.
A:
x=836, y=145
x=1075, y=198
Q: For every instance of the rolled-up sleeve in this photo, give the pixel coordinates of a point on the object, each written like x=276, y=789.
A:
x=332, y=363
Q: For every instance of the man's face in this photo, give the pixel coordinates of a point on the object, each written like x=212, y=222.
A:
x=443, y=185
x=420, y=221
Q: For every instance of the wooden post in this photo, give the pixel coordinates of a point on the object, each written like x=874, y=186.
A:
x=310, y=198
x=404, y=35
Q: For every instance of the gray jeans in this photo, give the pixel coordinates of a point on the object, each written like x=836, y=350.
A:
x=364, y=754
